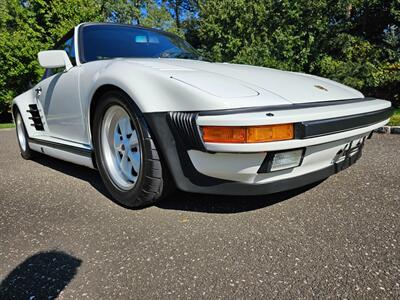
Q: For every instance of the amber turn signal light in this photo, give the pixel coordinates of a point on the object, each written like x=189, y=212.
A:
x=247, y=134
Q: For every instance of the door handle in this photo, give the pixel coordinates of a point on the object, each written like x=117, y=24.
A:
x=38, y=91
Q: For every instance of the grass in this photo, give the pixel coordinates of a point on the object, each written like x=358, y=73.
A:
x=395, y=119
x=6, y=125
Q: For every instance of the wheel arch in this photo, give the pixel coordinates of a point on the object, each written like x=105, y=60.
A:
x=18, y=107
x=99, y=92
x=14, y=108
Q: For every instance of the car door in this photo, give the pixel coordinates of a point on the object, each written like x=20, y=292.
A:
x=58, y=94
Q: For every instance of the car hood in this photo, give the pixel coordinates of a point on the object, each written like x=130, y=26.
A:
x=240, y=81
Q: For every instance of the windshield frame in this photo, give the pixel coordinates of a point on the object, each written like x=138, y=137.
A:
x=81, y=49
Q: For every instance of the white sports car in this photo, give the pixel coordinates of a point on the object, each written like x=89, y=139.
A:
x=145, y=109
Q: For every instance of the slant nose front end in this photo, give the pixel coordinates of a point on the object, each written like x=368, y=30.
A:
x=263, y=150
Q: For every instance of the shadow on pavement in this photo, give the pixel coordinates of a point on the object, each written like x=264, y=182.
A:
x=226, y=204
x=179, y=200
x=83, y=173
x=41, y=276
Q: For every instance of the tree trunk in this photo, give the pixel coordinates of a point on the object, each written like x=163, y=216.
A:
x=348, y=11
x=177, y=12
x=138, y=4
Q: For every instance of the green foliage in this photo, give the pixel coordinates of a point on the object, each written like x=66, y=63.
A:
x=395, y=119
x=27, y=27
x=159, y=17
x=352, y=41
x=280, y=34
x=181, y=9
x=362, y=48
x=355, y=42
x=6, y=125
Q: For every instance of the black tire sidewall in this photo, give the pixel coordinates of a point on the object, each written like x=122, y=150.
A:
x=27, y=153
x=125, y=197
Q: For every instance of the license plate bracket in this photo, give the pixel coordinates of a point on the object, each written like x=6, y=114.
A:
x=348, y=155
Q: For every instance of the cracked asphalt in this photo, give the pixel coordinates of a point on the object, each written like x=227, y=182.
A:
x=61, y=237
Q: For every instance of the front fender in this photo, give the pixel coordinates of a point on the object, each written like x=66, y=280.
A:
x=152, y=90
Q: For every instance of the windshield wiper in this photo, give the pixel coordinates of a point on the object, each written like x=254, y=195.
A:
x=186, y=55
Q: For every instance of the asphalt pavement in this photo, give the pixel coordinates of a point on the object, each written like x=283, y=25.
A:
x=61, y=236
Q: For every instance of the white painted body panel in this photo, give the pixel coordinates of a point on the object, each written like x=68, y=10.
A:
x=243, y=167
x=54, y=59
x=291, y=144
x=63, y=155
x=188, y=85
x=284, y=116
x=22, y=102
x=61, y=104
x=165, y=85
x=158, y=85
x=291, y=86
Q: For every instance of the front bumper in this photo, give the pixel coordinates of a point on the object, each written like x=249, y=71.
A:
x=279, y=185
x=233, y=168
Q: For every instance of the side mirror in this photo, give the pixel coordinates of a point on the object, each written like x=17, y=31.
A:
x=54, y=59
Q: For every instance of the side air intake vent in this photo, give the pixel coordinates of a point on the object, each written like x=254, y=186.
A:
x=35, y=117
x=184, y=126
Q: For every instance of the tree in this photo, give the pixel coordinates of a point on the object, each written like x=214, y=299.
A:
x=352, y=41
x=123, y=11
x=27, y=28
x=361, y=47
x=355, y=42
x=281, y=34
x=30, y=26
x=181, y=9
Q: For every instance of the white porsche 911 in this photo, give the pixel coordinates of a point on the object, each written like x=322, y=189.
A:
x=142, y=107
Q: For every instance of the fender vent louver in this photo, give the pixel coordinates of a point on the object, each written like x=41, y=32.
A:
x=184, y=127
x=35, y=117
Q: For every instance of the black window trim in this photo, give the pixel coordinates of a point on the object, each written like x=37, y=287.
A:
x=66, y=37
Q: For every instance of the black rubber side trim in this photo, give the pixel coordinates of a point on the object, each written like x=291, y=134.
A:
x=63, y=147
x=311, y=129
x=184, y=126
x=282, y=107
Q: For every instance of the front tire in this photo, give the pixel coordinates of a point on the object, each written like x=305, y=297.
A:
x=22, y=136
x=126, y=156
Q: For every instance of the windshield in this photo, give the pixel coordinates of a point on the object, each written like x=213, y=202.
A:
x=111, y=41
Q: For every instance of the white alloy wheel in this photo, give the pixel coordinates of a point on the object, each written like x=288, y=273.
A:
x=21, y=132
